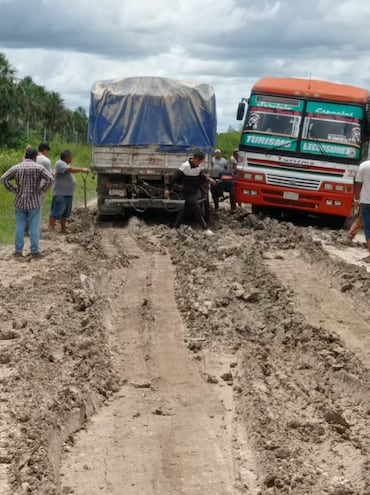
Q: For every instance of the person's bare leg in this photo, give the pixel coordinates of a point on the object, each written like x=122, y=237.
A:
x=355, y=228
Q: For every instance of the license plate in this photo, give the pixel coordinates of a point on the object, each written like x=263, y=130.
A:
x=291, y=195
x=117, y=192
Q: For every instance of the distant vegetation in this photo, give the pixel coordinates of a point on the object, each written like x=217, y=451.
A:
x=29, y=112
x=227, y=142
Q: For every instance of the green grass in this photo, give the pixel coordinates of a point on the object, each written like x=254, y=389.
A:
x=227, y=142
x=8, y=158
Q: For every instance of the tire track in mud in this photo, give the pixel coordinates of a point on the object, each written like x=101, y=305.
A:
x=301, y=391
x=322, y=303
x=52, y=376
x=344, y=365
x=165, y=432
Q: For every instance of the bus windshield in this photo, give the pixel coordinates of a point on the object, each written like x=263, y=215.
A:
x=274, y=115
x=336, y=127
x=308, y=127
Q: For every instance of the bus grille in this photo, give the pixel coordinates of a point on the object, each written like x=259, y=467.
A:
x=294, y=182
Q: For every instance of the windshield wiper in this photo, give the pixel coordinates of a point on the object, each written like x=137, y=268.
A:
x=319, y=145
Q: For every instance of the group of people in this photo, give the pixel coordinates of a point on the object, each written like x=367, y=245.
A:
x=193, y=180
x=29, y=180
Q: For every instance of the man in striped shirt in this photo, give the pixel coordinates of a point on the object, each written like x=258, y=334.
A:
x=31, y=180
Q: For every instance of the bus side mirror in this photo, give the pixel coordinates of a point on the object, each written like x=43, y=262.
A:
x=367, y=120
x=241, y=110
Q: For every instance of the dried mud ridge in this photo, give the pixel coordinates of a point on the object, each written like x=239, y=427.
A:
x=301, y=390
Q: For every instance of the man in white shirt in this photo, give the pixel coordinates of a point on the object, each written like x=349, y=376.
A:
x=44, y=160
x=362, y=196
x=43, y=156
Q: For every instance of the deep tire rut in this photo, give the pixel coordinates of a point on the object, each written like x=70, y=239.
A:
x=236, y=363
x=165, y=433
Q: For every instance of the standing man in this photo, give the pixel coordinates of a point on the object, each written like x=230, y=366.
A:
x=63, y=190
x=233, y=161
x=191, y=177
x=362, y=196
x=43, y=156
x=219, y=165
x=31, y=181
x=44, y=160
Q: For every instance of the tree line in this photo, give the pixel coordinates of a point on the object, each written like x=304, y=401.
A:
x=29, y=112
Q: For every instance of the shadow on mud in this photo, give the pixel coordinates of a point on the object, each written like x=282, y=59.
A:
x=303, y=219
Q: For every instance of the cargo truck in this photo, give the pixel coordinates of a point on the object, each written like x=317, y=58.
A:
x=141, y=130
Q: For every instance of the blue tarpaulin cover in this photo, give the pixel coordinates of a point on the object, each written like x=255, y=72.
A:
x=138, y=111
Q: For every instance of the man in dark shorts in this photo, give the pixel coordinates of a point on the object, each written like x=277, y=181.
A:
x=63, y=190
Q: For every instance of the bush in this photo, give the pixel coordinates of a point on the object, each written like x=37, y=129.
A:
x=227, y=142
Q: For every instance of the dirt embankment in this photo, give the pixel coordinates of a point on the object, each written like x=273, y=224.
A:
x=275, y=322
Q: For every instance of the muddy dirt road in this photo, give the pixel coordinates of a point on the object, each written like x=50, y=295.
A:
x=135, y=359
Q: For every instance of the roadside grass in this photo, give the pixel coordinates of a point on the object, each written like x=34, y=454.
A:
x=227, y=142
x=8, y=158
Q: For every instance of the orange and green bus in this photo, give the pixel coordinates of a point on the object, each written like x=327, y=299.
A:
x=301, y=144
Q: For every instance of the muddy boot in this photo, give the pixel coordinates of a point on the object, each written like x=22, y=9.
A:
x=63, y=227
x=51, y=224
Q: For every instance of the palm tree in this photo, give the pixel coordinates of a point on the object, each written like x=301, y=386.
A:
x=9, y=107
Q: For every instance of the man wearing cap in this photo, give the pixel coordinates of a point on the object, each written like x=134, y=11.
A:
x=219, y=165
x=31, y=180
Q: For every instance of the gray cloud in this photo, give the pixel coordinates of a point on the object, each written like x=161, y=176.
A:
x=67, y=45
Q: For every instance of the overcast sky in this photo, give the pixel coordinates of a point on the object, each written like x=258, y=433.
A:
x=66, y=45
